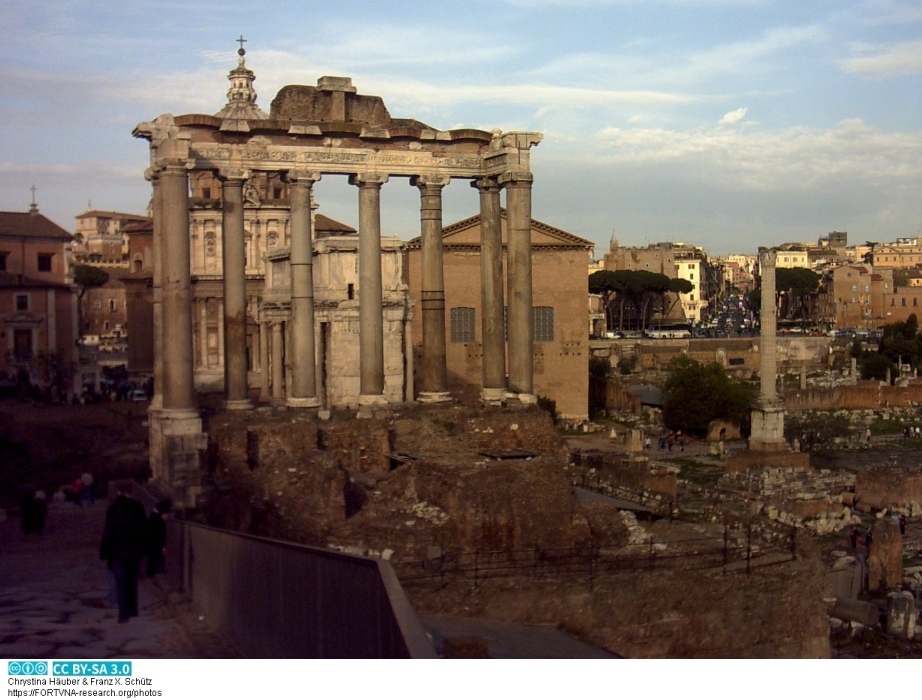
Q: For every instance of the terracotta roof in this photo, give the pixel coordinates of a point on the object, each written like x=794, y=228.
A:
x=325, y=226
x=565, y=238
x=145, y=225
x=100, y=213
x=28, y=225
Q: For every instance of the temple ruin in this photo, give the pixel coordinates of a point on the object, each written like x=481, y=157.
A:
x=241, y=153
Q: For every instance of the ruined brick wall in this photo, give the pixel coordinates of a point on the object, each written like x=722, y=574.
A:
x=863, y=395
x=886, y=487
x=775, y=612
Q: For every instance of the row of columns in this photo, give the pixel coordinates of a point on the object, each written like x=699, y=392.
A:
x=173, y=354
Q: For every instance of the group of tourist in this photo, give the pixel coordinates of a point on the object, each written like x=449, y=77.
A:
x=670, y=438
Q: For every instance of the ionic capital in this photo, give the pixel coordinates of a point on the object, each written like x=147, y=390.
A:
x=429, y=181
x=367, y=179
x=302, y=177
x=174, y=166
x=514, y=178
x=486, y=184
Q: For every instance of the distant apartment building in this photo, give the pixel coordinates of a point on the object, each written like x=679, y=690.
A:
x=902, y=254
x=793, y=255
x=100, y=238
x=856, y=296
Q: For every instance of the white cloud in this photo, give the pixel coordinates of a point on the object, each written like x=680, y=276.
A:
x=879, y=61
x=773, y=160
x=734, y=116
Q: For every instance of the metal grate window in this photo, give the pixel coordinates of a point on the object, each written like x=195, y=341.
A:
x=544, y=324
x=462, y=325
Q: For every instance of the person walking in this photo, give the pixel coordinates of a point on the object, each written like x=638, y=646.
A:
x=156, y=525
x=124, y=542
x=87, y=492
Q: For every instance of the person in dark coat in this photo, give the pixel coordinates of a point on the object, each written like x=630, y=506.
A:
x=125, y=541
x=156, y=525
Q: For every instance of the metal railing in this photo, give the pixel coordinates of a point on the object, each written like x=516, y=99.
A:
x=739, y=553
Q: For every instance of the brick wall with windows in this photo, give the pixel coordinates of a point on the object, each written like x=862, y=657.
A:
x=560, y=313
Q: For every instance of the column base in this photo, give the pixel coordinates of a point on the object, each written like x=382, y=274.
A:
x=238, y=405
x=523, y=399
x=306, y=402
x=177, y=445
x=368, y=403
x=493, y=397
x=433, y=397
x=372, y=400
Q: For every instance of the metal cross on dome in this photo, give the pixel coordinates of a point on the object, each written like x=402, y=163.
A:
x=241, y=41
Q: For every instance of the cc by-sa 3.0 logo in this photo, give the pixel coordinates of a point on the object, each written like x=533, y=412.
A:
x=27, y=668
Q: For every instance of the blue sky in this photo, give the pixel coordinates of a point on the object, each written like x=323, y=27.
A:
x=725, y=123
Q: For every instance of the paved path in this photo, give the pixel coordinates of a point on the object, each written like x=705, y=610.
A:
x=53, y=599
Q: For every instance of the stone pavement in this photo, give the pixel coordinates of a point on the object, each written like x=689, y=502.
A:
x=53, y=599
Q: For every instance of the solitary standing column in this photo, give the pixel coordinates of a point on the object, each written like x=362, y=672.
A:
x=303, y=361
x=768, y=415
x=371, y=295
x=235, y=329
x=491, y=293
x=435, y=373
x=178, y=390
x=518, y=266
x=768, y=361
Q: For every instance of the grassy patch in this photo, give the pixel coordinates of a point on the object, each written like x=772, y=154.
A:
x=698, y=473
x=887, y=426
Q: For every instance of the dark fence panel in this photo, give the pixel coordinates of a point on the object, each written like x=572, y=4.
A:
x=276, y=599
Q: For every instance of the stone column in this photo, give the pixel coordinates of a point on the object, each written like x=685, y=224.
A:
x=371, y=294
x=157, y=292
x=518, y=271
x=768, y=362
x=492, y=321
x=278, y=372
x=303, y=360
x=768, y=415
x=178, y=390
x=435, y=373
x=202, y=306
x=234, y=262
x=264, y=366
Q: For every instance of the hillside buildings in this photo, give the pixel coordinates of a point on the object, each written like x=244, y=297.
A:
x=676, y=261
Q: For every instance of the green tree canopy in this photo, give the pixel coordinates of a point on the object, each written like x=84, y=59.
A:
x=695, y=394
x=636, y=294
x=88, y=276
x=900, y=341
